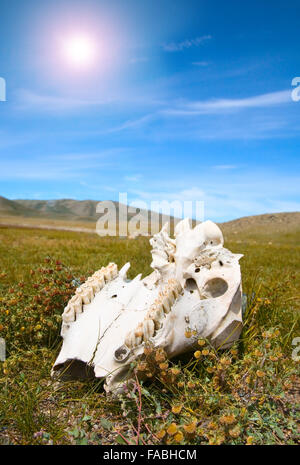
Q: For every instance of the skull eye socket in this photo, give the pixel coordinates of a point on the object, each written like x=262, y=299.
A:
x=121, y=354
x=214, y=288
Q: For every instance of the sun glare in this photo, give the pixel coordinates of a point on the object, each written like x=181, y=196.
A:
x=79, y=51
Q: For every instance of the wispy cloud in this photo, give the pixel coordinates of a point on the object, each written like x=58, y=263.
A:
x=28, y=99
x=135, y=60
x=224, y=167
x=131, y=124
x=188, y=43
x=216, y=119
x=200, y=63
x=133, y=177
x=224, y=105
x=58, y=167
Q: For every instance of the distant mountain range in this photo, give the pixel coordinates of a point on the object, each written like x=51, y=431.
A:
x=65, y=209
x=85, y=211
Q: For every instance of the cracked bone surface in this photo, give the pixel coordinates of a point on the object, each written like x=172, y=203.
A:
x=195, y=287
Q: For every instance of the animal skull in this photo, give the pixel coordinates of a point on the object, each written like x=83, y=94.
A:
x=195, y=287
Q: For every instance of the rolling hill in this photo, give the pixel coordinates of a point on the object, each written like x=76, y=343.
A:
x=75, y=214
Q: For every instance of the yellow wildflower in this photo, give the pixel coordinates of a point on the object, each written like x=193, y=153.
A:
x=176, y=408
x=235, y=432
x=161, y=434
x=191, y=385
x=227, y=419
x=249, y=441
x=197, y=354
x=175, y=371
x=160, y=356
x=172, y=429
x=225, y=361
x=178, y=437
x=258, y=353
x=163, y=366
x=212, y=425
x=190, y=428
x=142, y=366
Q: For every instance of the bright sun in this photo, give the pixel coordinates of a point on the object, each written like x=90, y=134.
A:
x=79, y=51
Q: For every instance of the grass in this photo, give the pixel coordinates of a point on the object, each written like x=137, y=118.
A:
x=246, y=395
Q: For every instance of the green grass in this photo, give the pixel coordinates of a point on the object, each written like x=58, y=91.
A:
x=249, y=394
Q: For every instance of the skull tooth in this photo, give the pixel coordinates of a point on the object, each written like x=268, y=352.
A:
x=148, y=329
x=129, y=340
x=99, y=277
x=86, y=294
x=95, y=284
x=175, y=287
x=69, y=314
x=76, y=303
x=110, y=272
x=156, y=314
x=132, y=340
x=166, y=305
x=171, y=297
x=139, y=330
x=88, y=289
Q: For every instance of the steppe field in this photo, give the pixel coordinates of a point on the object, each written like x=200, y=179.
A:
x=248, y=394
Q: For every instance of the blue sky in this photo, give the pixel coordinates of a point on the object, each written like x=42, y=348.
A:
x=187, y=100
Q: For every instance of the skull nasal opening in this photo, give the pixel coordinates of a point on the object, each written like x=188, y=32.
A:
x=191, y=285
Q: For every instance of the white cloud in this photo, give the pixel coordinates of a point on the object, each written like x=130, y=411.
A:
x=188, y=43
x=224, y=167
x=200, y=63
x=138, y=60
x=133, y=177
x=27, y=98
x=223, y=105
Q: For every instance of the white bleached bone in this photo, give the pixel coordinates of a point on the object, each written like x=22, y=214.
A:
x=195, y=287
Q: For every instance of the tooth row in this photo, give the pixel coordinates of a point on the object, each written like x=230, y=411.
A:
x=155, y=315
x=86, y=292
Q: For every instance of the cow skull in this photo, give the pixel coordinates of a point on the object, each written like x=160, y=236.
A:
x=195, y=288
